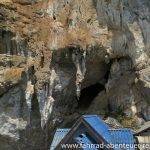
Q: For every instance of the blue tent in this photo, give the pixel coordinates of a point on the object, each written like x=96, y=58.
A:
x=91, y=130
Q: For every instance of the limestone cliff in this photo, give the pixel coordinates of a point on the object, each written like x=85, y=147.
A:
x=60, y=59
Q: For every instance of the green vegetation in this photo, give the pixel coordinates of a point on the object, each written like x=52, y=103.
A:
x=127, y=122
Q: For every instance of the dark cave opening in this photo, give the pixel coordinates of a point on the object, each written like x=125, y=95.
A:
x=88, y=94
x=106, y=77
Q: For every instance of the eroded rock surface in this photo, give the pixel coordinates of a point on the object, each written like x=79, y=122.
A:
x=52, y=51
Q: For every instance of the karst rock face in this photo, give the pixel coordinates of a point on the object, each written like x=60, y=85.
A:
x=50, y=50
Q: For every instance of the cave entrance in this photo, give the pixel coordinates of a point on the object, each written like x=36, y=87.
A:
x=88, y=94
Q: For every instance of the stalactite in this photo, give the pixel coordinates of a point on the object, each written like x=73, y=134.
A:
x=79, y=59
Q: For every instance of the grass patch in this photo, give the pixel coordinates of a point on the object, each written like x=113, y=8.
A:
x=124, y=120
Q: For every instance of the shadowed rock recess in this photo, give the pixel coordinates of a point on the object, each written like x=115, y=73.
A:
x=60, y=59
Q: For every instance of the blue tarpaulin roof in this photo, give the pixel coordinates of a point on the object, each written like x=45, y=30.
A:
x=122, y=136
x=59, y=135
x=96, y=123
x=97, y=130
x=112, y=136
x=99, y=127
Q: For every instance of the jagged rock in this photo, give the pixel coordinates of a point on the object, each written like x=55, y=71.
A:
x=52, y=50
x=113, y=122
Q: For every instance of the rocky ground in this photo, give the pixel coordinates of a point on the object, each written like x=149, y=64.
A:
x=60, y=59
